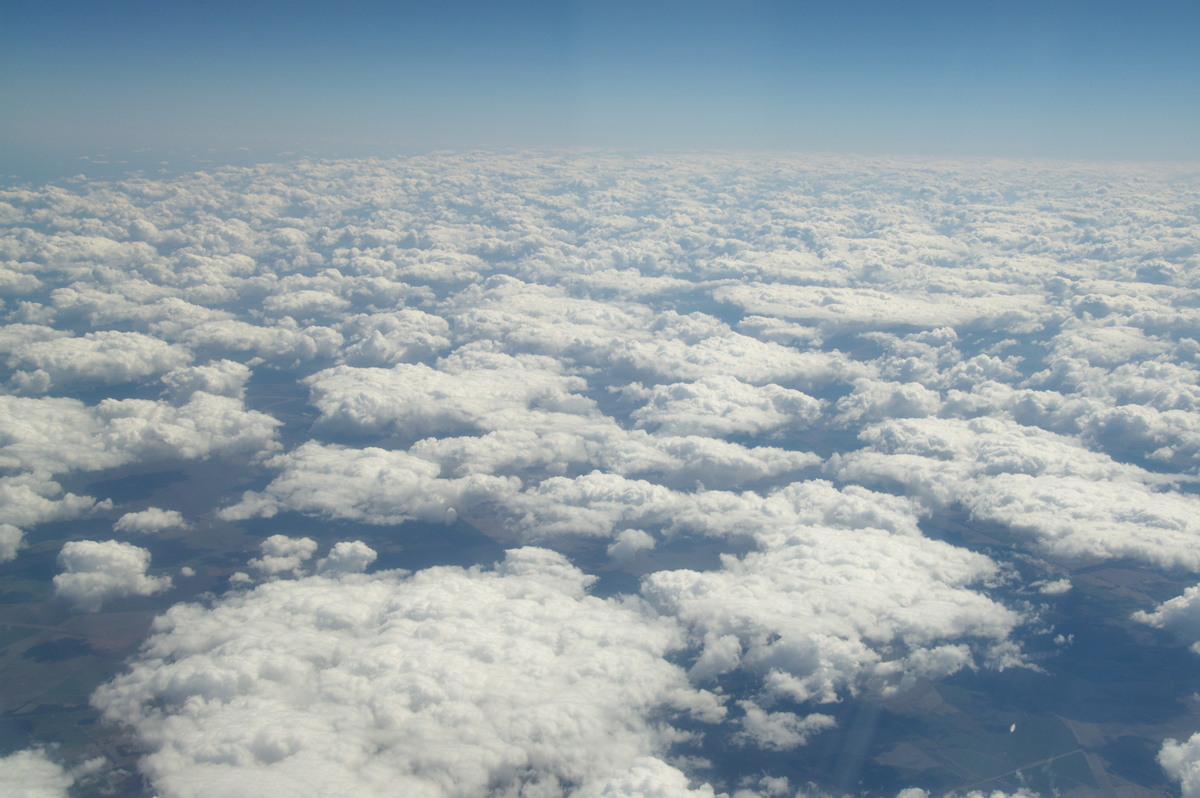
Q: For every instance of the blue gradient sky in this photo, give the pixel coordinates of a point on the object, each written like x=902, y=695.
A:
x=1090, y=79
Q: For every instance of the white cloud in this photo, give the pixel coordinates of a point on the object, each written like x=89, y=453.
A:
x=451, y=681
x=872, y=308
x=11, y=538
x=221, y=378
x=29, y=499
x=97, y=571
x=282, y=343
x=56, y=435
x=875, y=400
x=374, y=485
x=779, y=731
x=107, y=357
x=347, y=557
x=282, y=555
x=839, y=613
x=1181, y=761
x=843, y=595
x=592, y=505
x=719, y=406
x=629, y=543
x=466, y=393
x=32, y=774
x=1180, y=616
x=152, y=519
x=1075, y=503
x=385, y=339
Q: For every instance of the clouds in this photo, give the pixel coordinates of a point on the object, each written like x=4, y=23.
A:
x=1074, y=502
x=720, y=406
x=32, y=774
x=10, y=541
x=54, y=435
x=373, y=485
x=107, y=357
x=824, y=608
x=1181, y=761
x=448, y=682
x=152, y=519
x=748, y=390
x=97, y=571
x=1180, y=616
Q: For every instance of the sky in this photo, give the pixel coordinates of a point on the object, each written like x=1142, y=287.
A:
x=1066, y=78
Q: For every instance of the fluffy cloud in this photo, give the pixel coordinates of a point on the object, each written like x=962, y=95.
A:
x=875, y=400
x=56, y=435
x=1075, y=503
x=1182, y=763
x=32, y=774
x=107, y=357
x=284, y=343
x=284, y=555
x=421, y=401
x=385, y=339
x=448, y=682
x=871, y=308
x=152, y=519
x=347, y=557
x=97, y=571
x=629, y=543
x=221, y=378
x=1180, y=616
x=779, y=730
x=29, y=499
x=722, y=406
x=10, y=540
x=373, y=485
x=833, y=611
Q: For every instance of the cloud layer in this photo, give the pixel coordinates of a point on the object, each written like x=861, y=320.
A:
x=749, y=391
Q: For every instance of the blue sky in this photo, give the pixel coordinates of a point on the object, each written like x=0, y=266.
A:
x=1089, y=79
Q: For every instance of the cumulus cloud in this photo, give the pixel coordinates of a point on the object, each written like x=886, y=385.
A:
x=779, y=731
x=1074, y=502
x=1181, y=761
x=347, y=557
x=629, y=543
x=11, y=538
x=96, y=571
x=386, y=339
x=33, y=774
x=152, y=519
x=107, y=357
x=802, y=617
x=451, y=681
x=1180, y=616
x=56, y=435
x=869, y=307
x=373, y=485
x=283, y=555
x=720, y=406
x=875, y=400
x=421, y=401
x=221, y=378
x=29, y=499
